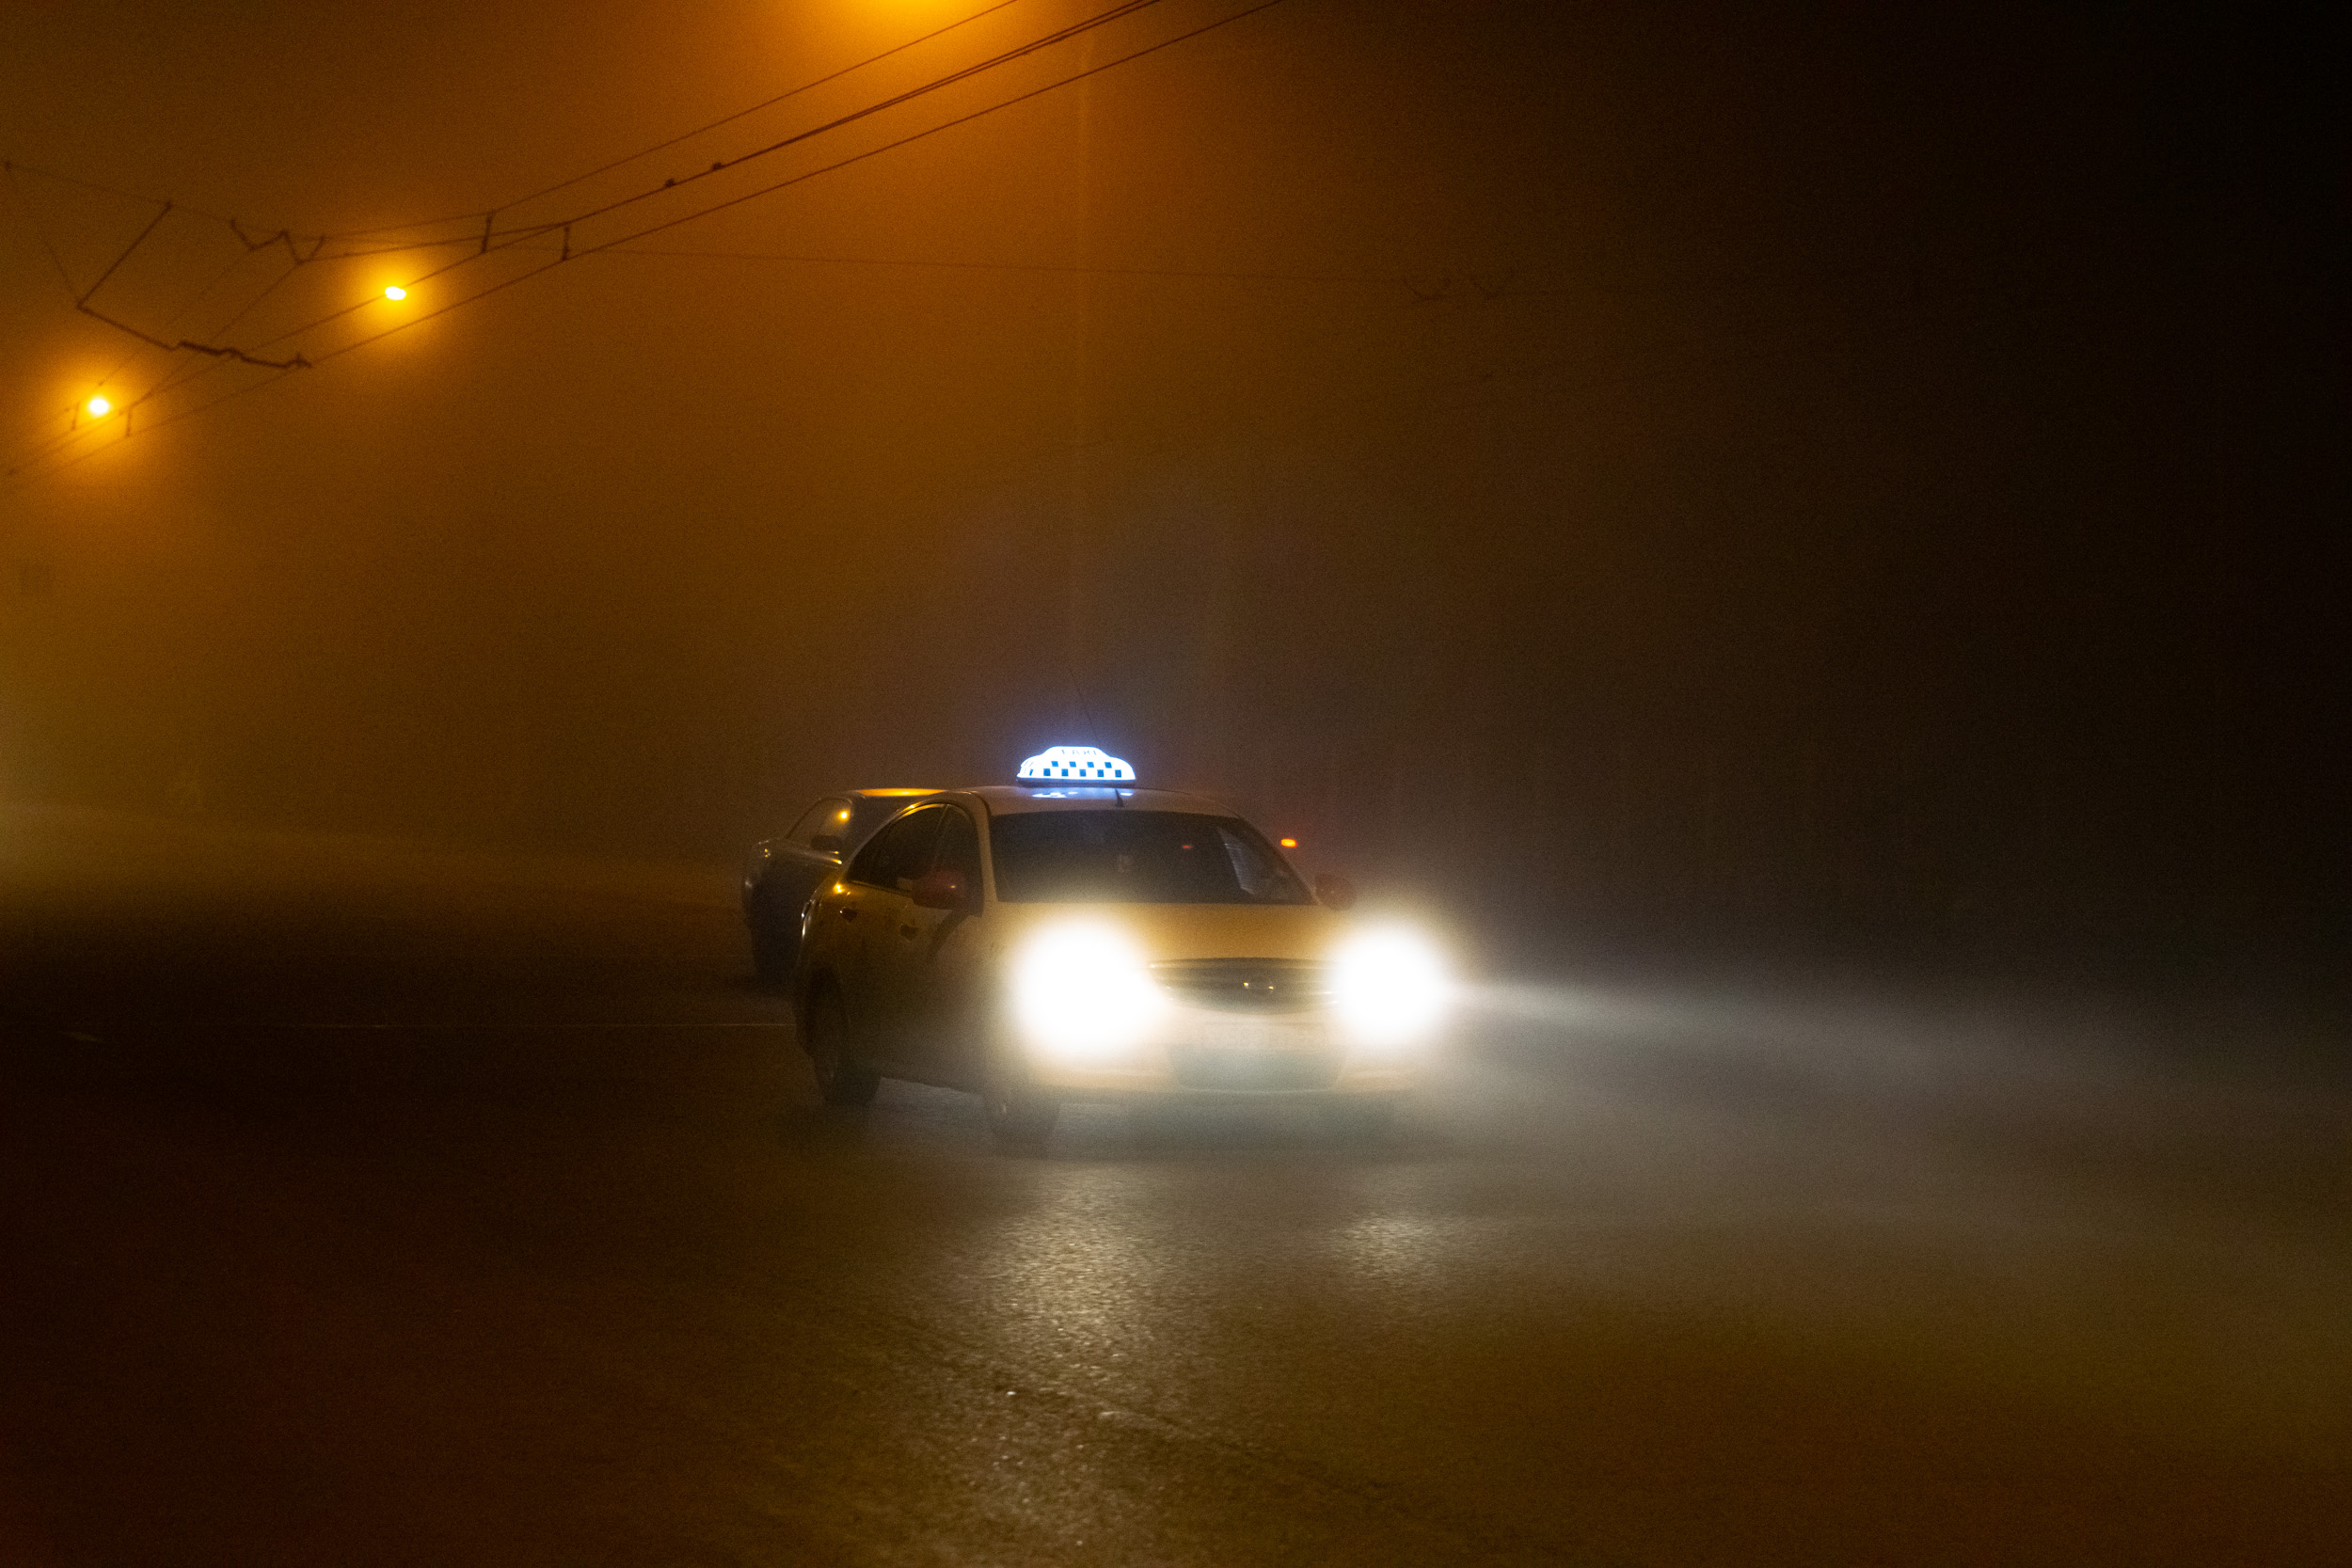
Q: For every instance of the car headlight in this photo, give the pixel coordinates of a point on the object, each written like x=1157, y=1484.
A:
x=1084, y=993
x=1390, y=986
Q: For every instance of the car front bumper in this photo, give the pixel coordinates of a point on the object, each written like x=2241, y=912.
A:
x=1226, y=1058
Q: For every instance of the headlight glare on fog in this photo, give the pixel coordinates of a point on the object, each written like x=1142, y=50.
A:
x=1390, y=986
x=1084, y=993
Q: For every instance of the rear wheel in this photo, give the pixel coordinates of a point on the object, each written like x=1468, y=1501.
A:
x=1018, y=1118
x=841, y=1078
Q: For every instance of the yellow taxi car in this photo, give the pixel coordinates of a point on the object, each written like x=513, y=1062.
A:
x=1072, y=937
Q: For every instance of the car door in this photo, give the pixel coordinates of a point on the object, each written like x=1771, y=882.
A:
x=787, y=869
x=867, y=917
x=938, y=953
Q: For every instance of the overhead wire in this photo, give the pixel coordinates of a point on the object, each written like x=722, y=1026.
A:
x=297, y=257
x=251, y=305
x=683, y=135
x=491, y=240
x=127, y=360
x=806, y=175
x=540, y=230
x=1060, y=35
x=113, y=190
x=187, y=371
x=177, y=316
x=490, y=237
x=13, y=166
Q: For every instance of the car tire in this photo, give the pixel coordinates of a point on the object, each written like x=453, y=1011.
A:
x=1359, y=1121
x=1018, y=1118
x=841, y=1078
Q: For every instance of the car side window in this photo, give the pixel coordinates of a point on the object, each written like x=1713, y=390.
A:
x=899, y=853
x=960, y=848
x=828, y=816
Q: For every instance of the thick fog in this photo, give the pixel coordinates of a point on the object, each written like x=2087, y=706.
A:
x=1677, y=473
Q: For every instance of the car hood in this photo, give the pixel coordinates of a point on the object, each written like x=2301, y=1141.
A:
x=1180, y=932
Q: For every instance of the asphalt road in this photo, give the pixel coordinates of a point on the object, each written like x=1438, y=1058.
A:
x=362, y=1205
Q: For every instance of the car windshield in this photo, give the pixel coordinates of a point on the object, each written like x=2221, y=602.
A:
x=1136, y=857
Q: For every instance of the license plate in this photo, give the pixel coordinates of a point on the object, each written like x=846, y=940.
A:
x=1258, y=1035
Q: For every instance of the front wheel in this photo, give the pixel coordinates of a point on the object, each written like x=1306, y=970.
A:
x=841, y=1078
x=1018, y=1118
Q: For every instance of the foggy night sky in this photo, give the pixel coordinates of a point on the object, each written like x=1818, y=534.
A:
x=1750, y=468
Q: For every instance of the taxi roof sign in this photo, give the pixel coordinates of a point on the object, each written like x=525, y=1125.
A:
x=1076, y=762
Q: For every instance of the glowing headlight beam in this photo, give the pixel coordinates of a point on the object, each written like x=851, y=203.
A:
x=1082, y=992
x=1390, y=986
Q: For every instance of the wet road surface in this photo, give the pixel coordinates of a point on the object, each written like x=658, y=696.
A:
x=363, y=1205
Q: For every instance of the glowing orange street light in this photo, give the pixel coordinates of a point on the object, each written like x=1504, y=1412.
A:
x=1290, y=843
x=395, y=292
x=98, y=408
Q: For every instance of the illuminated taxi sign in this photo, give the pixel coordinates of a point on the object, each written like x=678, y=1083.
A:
x=1076, y=762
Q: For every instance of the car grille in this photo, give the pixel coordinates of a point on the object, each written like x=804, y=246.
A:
x=1246, y=985
x=1202, y=1067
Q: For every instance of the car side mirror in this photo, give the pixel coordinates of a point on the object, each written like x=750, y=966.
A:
x=1334, y=891
x=941, y=890
x=828, y=843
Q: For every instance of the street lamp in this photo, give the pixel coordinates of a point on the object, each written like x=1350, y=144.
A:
x=395, y=292
x=98, y=407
